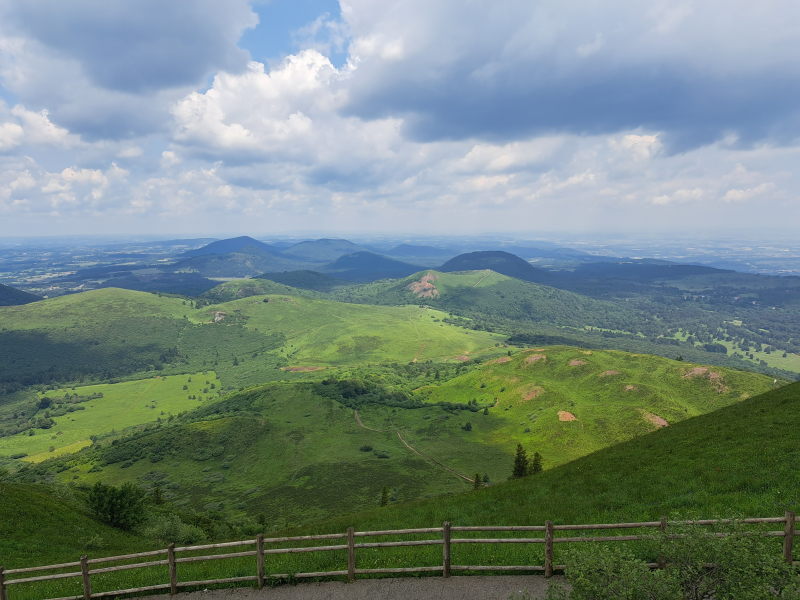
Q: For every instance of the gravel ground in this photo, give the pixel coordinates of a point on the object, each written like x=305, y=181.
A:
x=404, y=588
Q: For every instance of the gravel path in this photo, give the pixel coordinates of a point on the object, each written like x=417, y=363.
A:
x=403, y=588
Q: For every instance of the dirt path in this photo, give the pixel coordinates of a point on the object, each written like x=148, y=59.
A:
x=491, y=587
x=423, y=456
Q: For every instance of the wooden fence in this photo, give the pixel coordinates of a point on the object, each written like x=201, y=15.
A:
x=169, y=557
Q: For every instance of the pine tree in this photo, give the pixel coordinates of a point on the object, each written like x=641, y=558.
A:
x=536, y=464
x=476, y=483
x=520, y=463
x=385, y=496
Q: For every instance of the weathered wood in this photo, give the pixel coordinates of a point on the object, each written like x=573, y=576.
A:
x=87, y=582
x=446, y=549
x=398, y=531
x=400, y=570
x=303, y=538
x=213, y=546
x=497, y=541
x=188, y=559
x=498, y=528
x=173, y=570
x=396, y=544
x=152, y=563
x=94, y=561
x=304, y=549
x=662, y=528
x=499, y=568
x=606, y=526
x=548, y=549
x=2, y=584
x=599, y=538
x=260, y=563
x=146, y=588
x=43, y=568
x=788, y=536
x=351, y=554
x=42, y=578
x=216, y=581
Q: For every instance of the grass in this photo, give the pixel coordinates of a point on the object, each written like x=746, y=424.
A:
x=737, y=461
x=121, y=405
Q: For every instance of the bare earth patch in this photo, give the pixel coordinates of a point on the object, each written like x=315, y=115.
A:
x=461, y=358
x=588, y=352
x=498, y=361
x=609, y=373
x=655, y=419
x=532, y=393
x=301, y=369
x=219, y=316
x=630, y=388
x=535, y=358
x=564, y=415
x=713, y=376
x=424, y=288
x=577, y=362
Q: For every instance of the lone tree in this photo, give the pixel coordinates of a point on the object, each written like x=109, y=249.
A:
x=121, y=507
x=536, y=464
x=520, y=463
x=385, y=496
x=477, y=483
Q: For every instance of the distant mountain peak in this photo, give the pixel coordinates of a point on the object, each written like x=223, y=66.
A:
x=243, y=243
x=499, y=261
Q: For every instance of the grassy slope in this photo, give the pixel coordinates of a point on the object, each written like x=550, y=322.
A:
x=45, y=525
x=123, y=405
x=322, y=332
x=738, y=460
x=613, y=396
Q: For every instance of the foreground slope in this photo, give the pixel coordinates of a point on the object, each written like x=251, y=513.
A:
x=738, y=460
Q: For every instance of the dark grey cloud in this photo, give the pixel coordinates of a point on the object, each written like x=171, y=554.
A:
x=142, y=45
x=696, y=71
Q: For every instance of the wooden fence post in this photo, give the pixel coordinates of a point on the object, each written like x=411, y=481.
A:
x=662, y=561
x=351, y=555
x=260, y=560
x=548, y=549
x=2, y=584
x=87, y=584
x=173, y=570
x=788, y=536
x=446, y=549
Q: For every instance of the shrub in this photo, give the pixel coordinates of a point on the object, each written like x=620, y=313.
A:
x=121, y=507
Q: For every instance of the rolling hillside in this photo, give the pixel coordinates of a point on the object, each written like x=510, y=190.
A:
x=10, y=296
x=498, y=261
x=302, y=451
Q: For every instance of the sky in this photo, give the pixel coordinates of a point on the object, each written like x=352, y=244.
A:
x=199, y=117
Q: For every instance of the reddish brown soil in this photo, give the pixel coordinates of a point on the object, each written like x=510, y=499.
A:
x=630, y=388
x=532, y=393
x=655, y=419
x=498, y=361
x=535, y=358
x=609, y=373
x=713, y=376
x=577, y=362
x=564, y=415
x=302, y=369
x=424, y=288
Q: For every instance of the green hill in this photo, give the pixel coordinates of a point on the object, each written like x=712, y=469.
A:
x=299, y=452
x=323, y=250
x=46, y=525
x=368, y=266
x=10, y=296
x=307, y=280
x=498, y=261
x=739, y=460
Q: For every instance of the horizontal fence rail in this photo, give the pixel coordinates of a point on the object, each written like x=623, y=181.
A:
x=85, y=568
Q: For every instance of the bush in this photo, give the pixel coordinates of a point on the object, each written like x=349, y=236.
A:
x=121, y=507
x=169, y=528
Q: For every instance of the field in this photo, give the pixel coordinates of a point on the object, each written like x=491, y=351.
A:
x=107, y=407
x=712, y=465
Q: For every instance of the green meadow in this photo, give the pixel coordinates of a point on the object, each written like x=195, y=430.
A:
x=113, y=406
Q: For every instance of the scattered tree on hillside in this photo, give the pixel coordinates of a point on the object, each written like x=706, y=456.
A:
x=477, y=483
x=536, y=464
x=467, y=426
x=520, y=463
x=121, y=507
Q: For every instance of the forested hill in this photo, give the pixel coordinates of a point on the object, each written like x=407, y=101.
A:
x=10, y=296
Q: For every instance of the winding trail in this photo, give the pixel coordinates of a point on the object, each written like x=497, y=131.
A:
x=411, y=448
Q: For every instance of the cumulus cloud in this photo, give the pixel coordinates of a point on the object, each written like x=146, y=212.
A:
x=456, y=70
